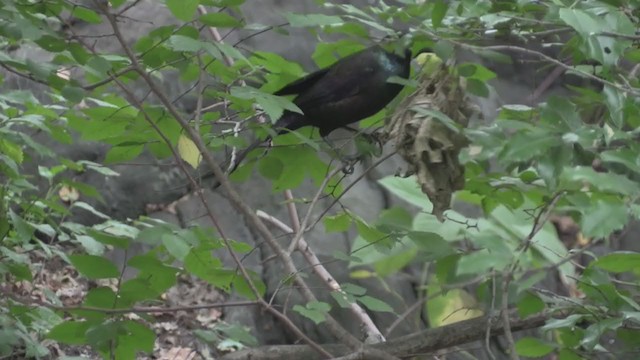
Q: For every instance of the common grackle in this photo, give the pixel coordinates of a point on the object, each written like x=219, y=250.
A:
x=353, y=88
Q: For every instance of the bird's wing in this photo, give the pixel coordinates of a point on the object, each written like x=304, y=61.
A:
x=302, y=84
x=339, y=85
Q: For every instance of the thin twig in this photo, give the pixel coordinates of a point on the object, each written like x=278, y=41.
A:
x=300, y=230
x=373, y=333
x=352, y=184
x=538, y=223
x=548, y=58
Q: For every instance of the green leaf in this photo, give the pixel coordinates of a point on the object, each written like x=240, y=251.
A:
x=374, y=304
x=568, y=322
x=589, y=25
x=532, y=347
x=51, y=43
x=270, y=167
x=337, y=223
x=529, y=304
x=395, y=262
x=447, y=267
x=626, y=157
x=12, y=150
x=108, y=239
x=432, y=243
x=241, y=285
x=90, y=244
x=219, y=19
x=203, y=264
x=70, y=332
x=298, y=162
x=595, y=331
x=20, y=271
x=440, y=9
x=369, y=233
x=603, y=218
x=353, y=289
x=184, y=43
x=136, y=337
x=176, y=246
x=98, y=66
x=101, y=297
x=315, y=311
x=223, y=3
x=94, y=267
x=343, y=299
x=568, y=354
x=475, y=71
x=23, y=229
x=619, y=262
x=583, y=22
x=603, y=181
x=86, y=14
x=120, y=154
x=73, y=93
x=232, y=52
x=273, y=105
x=477, y=87
x=408, y=190
x=183, y=9
x=101, y=335
x=325, y=53
x=116, y=3
x=240, y=247
x=156, y=276
x=303, y=20
x=135, y=290
x=394, y=219
x=91, y=209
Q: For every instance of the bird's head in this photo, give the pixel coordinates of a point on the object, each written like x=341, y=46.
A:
x=408, y=46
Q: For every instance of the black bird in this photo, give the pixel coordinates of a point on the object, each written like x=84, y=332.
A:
x=352, y=89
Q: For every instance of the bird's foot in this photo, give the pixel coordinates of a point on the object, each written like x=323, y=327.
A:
x=369, y=138
x=349, y=162
x=369, y=144
x=373, y=138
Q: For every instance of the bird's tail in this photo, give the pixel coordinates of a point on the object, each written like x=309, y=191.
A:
x=289, y=121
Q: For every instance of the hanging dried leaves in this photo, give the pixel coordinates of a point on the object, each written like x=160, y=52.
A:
x=427, y=130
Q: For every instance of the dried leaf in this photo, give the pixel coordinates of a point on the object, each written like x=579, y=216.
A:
x=427, y=132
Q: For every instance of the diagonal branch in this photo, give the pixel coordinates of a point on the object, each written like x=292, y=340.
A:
x=235, y=199
x=423, y=342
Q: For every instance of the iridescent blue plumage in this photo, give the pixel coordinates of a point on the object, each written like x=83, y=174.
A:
x=350, y=90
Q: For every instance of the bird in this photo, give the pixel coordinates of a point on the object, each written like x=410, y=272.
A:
x=351, y=89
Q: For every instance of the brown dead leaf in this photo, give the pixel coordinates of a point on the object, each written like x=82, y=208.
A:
x=427, y=130
x=177, y=353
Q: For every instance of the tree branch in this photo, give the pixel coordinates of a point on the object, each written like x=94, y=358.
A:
x=423, y=342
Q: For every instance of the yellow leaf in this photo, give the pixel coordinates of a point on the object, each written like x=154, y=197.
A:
x=456, y=305
x=362, y=274
x=189, y=151
x=430, y=63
